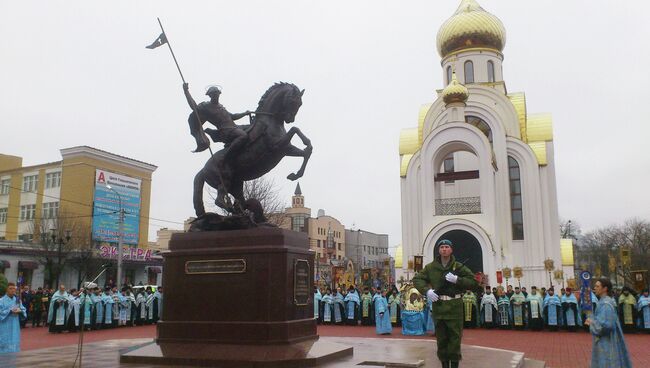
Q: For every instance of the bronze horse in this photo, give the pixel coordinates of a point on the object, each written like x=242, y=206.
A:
x=268, y=142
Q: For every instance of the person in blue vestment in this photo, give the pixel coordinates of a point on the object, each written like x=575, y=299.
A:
x=86, y=308
x=338, y=306
x=352, y=303
x=643, y=311
x=382, y=314
x=74, y=305
x=328, y=303
x=107, y=305
x=552, y=310
x=158, y=300
x=58, y=311
x=10, y=310
x=123, y=307
x=97, y=315
x=317, y=299
x=140, y=308
x=429, y=324
x=609, y=350
x=570, y=310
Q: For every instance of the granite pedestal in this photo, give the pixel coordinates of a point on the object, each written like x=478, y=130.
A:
x=238, y=298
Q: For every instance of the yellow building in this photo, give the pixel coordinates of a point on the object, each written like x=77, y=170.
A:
x=83, y=193
x=31, y=195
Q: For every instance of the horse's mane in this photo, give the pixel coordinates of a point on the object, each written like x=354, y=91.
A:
x=272, y=89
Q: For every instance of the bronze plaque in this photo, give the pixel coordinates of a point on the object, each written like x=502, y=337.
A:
x=301, y=288
x=215, y=266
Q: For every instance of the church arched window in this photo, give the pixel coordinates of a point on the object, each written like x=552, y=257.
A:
x=448, y=74
x=516, y=208
x=481, y=125
x=469, y=72
x=490, y=70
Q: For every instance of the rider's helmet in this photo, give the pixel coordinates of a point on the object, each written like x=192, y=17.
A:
x=213, y=90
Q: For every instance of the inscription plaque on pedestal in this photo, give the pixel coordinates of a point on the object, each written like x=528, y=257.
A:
x=301, y=290
x=215, y=266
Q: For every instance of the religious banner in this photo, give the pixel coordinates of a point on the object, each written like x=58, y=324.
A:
x=639, y=279
x=499, y=277
x=418, y=263
x=626, y=259
x=611, y=263
x=585, y=293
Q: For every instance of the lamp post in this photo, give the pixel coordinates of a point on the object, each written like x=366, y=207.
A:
x=121, y=239
x=60, y=241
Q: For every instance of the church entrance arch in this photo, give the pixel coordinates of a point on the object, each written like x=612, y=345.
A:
x=467, y=249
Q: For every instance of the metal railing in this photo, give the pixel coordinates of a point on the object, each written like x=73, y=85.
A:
x=458, y=206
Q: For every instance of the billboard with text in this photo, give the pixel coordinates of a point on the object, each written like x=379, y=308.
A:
x=125, y=192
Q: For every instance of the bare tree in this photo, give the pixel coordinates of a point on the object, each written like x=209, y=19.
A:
x=267, y=193
x=62, y=239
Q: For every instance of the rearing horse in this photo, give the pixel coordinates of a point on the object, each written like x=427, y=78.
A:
x=268, y=142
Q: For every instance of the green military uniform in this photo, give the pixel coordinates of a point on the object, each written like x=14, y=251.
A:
x=447, y=314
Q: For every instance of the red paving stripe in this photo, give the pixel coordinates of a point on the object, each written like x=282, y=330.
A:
x=557, y=349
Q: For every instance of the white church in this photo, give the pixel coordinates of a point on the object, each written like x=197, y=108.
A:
x=479, y=168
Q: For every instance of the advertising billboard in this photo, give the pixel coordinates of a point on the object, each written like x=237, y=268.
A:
x=125, y=192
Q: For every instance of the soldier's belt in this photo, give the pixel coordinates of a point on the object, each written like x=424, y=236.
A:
x=447, y=297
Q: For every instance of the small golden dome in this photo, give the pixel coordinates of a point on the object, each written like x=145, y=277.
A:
x=455, y=92
x=471, y=26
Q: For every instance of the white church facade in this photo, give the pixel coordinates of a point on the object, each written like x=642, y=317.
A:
x=479, y=168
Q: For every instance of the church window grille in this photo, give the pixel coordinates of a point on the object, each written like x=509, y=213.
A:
x=516, y=208
x=469, y=72
x=490, y=71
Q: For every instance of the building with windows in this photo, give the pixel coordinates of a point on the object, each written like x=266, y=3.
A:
x=326, y=236
x=368, y=250
x=478, y=169
x=81, y=195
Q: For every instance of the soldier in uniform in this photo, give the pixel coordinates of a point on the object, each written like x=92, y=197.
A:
x=443, y=281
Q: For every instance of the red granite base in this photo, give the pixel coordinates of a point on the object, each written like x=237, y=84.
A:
x=303, y=354
x=238, y=298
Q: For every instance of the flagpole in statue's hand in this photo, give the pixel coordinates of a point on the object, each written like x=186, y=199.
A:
x=161, y=40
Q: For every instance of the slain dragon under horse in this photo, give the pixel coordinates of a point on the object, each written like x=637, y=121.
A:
x=266, y=143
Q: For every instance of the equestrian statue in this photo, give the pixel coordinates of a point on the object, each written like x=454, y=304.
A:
x=249, y=152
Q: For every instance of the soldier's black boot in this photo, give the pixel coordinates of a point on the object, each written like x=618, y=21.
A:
x=445, y=364
x=453, y=364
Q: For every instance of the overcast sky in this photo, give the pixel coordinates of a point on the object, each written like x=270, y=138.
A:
x=77, y=73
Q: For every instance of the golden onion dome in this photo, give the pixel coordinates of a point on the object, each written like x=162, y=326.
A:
x=471, y=26
x=455, y=92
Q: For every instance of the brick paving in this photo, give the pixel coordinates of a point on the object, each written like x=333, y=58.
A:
x=557, y=349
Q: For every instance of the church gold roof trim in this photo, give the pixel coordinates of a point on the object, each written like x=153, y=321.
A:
x=539, y=149
x=404, y=164
x=408, y=141
x=424, y=110
x=539, y=128
x=518, y=100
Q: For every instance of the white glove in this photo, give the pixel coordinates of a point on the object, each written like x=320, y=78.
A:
x=432, y=296
x=451, y=278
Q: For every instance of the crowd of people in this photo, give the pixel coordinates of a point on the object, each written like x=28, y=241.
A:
x=92, y=309
x=495, y=307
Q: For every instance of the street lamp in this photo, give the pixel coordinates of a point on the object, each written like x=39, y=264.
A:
x=60, y=241
x=121, y=237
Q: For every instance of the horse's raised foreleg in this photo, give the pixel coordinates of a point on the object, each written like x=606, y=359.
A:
x=295, y=152
x=199, y=180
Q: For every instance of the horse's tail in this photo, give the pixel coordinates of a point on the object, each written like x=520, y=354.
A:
x=199, y=181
